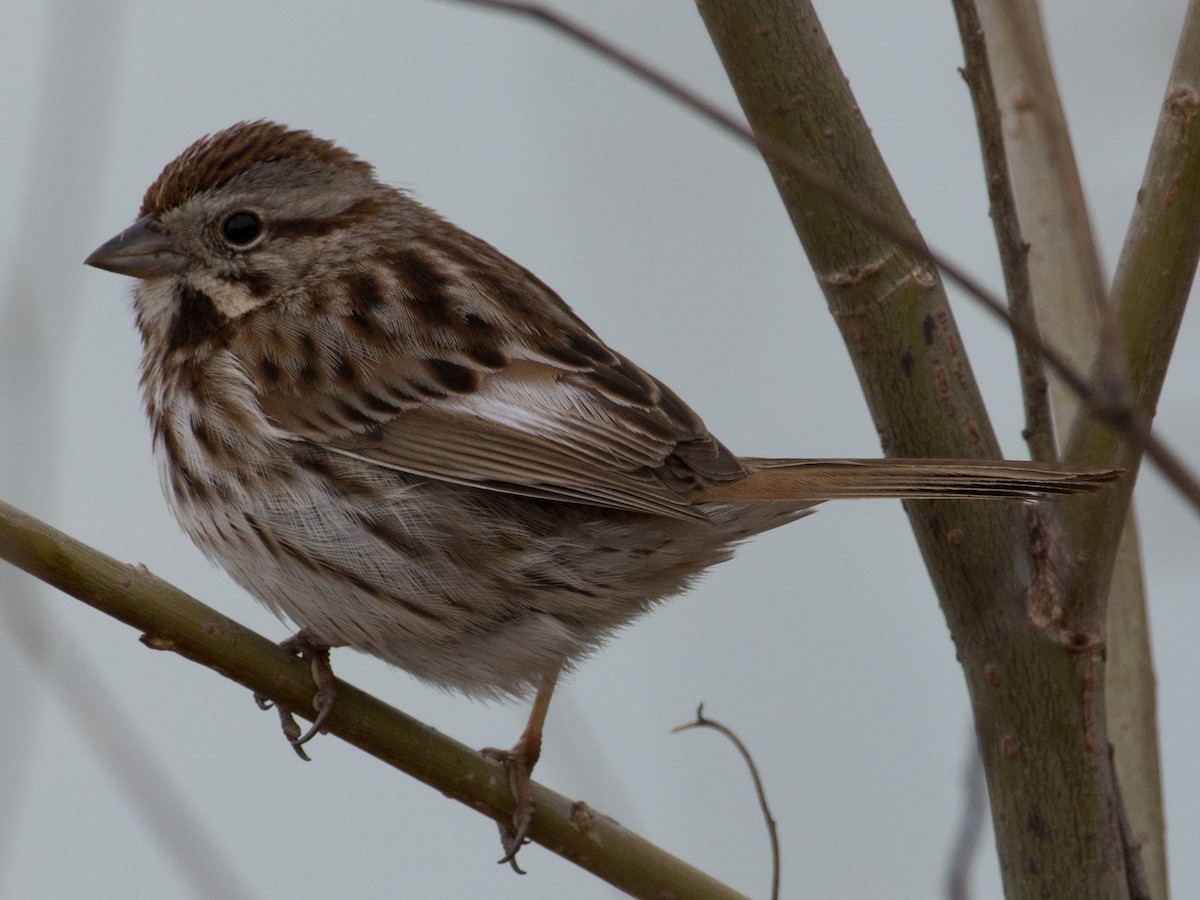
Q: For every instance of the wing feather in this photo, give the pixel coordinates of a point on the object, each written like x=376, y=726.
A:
x=458, y=365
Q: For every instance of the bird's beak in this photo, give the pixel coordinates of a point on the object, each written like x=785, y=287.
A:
x=141, y=250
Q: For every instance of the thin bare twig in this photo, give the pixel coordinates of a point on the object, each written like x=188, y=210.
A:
x=772, y=830
x=1135, y=870
x=1106, y=404
x=1110, y=375
x=974, y=809
x=1014, y=252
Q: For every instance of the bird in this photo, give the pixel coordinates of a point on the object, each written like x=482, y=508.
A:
x=404, y=442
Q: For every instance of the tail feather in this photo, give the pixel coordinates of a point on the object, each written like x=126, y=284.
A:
x=915, y=479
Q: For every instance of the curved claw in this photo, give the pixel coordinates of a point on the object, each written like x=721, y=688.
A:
x=514, y=839
x=322, y=703
x=519, y=762
x=509, y=838
x=317, y=654
x=514, y=832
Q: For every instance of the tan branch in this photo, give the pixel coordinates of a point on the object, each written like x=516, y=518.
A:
x=171, y=620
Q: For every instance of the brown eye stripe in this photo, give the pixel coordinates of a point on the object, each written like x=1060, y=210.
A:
x=293, y=229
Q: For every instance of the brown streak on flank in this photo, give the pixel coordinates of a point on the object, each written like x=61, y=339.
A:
x=563, y=353
x=308, y=370
x=196, y=489
x=170, y=445
x=363, y=323
x=400, y=395
x=182, y=479
x=339, y=478
x=317, y=464
x=556, y=584
x=349, y=576
x=265, y=536
x=204, y=437
x=481, y=340
x=392, y=537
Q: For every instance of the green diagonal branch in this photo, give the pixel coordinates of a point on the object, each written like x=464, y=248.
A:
x=171, y=620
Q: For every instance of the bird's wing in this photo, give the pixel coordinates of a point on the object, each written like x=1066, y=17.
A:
x=527, y=401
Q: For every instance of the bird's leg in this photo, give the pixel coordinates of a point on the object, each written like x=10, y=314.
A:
x=519, y=761
x=307, y=647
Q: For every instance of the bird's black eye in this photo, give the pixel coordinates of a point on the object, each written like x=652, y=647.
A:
x=241, y=228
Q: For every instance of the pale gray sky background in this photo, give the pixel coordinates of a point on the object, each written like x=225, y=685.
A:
x=822, y=644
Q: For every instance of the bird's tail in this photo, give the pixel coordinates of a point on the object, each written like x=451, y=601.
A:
x=912, y=479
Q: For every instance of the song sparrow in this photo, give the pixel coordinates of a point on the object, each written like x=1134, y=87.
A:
x=401, y=440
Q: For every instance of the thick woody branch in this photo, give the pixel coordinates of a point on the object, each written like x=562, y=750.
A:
x=171, y=620
x=1063, y=263
x=1014, y=259
x=1040, y=721
x=1150, y=291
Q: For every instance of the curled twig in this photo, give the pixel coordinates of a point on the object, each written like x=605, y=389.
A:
x=772, y=831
